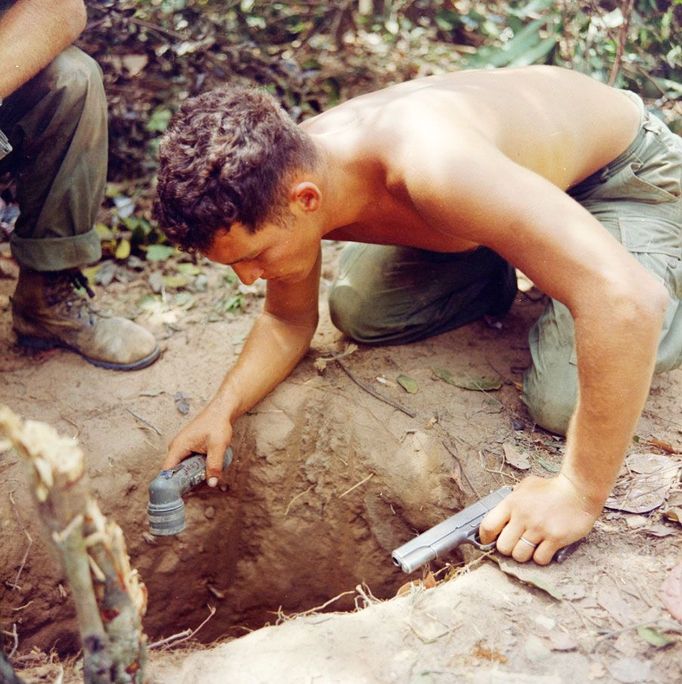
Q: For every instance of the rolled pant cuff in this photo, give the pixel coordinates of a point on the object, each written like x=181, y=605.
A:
x=56, y=254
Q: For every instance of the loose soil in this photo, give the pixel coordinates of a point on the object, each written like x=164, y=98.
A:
x=327, y=480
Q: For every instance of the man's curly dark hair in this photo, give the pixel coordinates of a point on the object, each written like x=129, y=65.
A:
x=225, y=158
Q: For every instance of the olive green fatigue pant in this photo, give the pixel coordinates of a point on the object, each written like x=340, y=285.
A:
x=57, y=126
x=398, y=294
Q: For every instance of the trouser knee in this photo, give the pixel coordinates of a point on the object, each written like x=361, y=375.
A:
x=550, y=408
x=57, y=123
x=353, y=316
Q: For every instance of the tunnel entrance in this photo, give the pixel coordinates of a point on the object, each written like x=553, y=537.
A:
x=319, y=494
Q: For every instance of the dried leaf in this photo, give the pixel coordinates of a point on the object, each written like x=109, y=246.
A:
x=647, y=463
x=674, y=514
x=561, y=641
x=515, y=458
x=660, y=530
x=408, y=384
x=663, y=446
x=480, y=384
x=530, y=575
x=156, y=281
x=611, y=600
x=647, y=484
x=630, y=670
x=671, y=592
x=549, y=466
x=122, y=249
x=134, y=63
x=427, y=582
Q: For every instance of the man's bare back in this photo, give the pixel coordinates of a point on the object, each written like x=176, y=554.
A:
x=560, y=124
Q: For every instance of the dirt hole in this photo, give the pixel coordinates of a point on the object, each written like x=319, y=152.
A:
x=313, y=509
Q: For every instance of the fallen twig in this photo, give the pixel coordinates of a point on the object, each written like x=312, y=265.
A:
x=15, y=584
x=355, y=486
x=145, y=422
x=374, y=393
x=298, y=496
x=282, y=617
x=175, y=639
x=622, y=39
x=461, y=468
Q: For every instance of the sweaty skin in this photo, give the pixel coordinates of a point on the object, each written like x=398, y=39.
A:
x=448, y=163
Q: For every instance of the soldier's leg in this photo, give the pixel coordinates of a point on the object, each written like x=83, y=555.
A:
x=57, y=126
x=393, y=295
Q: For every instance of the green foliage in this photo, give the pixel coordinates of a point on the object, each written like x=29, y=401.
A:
x=313, y=54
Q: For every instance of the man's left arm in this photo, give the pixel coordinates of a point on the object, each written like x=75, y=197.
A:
x=480, y=195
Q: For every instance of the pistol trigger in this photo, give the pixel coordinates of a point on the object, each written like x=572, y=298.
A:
x=476, y=541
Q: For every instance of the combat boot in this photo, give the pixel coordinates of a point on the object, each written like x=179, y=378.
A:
x=50, y=309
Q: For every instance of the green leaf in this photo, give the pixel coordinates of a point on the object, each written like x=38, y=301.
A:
x=159, y=252
x=654, y=637
x=525, y=40
x=175, y=282
x=474, y=383
x=234, y=303
x=189, y=269
x=159, y=120
x=122, y=250
x=407, y=383
x=535, y=54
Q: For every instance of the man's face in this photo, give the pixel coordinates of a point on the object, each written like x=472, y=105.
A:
x=273, y=252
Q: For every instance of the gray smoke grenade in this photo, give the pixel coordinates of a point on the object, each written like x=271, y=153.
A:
x=166, y=509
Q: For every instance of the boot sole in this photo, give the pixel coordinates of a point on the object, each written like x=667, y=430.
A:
x=41, y=344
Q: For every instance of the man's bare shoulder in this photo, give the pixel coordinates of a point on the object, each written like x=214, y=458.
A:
x=556, y=122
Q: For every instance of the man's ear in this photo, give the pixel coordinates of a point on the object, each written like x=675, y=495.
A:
x=306, y=196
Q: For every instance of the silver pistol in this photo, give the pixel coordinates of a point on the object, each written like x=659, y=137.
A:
x=461, y=528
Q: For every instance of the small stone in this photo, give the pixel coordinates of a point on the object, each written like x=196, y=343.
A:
x=634, y=522
x=168, y=563
x=536, y=649
x=546, y=622
x=209, y=512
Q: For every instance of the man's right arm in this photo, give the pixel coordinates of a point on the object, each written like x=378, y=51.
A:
x=279, y=339
x=32, y=34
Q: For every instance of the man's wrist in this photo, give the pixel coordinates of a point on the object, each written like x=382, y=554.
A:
x=591, y=495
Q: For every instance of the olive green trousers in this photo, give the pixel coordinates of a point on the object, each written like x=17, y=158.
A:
x=57, y=126
x=393, y=295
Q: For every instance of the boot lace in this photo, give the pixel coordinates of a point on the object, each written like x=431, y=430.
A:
x=63, y=288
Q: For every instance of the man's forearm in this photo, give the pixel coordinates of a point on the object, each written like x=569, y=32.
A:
x=32, y=34
x=271, y=352
x=616, y=362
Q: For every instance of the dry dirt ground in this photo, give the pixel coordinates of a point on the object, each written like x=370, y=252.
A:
x=327, y=480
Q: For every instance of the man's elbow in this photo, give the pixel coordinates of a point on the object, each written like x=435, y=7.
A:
x=644, y=304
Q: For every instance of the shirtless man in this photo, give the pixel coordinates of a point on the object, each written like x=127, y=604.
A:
x=448, y=180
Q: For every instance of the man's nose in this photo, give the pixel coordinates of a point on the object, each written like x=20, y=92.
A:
x=248, y=273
